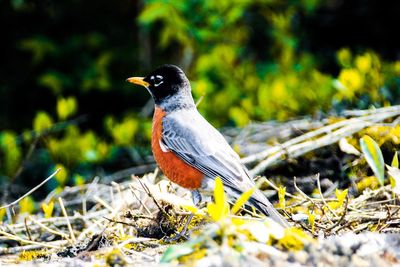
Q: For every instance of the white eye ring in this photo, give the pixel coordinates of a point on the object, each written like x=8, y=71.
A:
x=158, y=79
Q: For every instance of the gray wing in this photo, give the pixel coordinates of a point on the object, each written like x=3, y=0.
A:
x=194, y=140
x=187, y=134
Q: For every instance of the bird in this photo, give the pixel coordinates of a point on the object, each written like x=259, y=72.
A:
x=188, y=149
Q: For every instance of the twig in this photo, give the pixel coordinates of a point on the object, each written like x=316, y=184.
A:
x=198, y=102
x=120, y=222
x=138, y=199
x=27, y=229
x=147, y=190
x=103, y=203
x=97, y=239
x=66, y=217
x=342, y=217
x=300, y=145
x=128, y=172
x=370, y=111
x=142, y=255
x=301, y=192
x=296, y=150
x=31, y=191
x=14, y=250
x=57, y=221
x=135, y=240
x=48, y=229
x=119, y=190
x=271, y=184
x=302, y=225
x=322, y=196
x=17, y=238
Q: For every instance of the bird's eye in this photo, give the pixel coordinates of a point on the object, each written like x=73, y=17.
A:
x=158, y=79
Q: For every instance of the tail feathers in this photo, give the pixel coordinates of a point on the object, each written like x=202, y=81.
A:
x=262, y=204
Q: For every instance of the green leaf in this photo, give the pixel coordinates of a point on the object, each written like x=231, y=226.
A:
x=53, y=81
x=373, y=155
x=174, y=252
x=395, y=161
x=42, y=121
x=39, y=46
x=123, y=133
x=11, y=153
x=153, y=12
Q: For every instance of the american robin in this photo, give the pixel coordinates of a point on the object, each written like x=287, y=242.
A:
x=188, y=149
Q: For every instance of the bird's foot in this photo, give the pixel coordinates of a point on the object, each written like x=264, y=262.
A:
x=182, y=233
x=196, y=197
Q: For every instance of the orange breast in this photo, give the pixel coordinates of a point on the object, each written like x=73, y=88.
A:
x=172, y=166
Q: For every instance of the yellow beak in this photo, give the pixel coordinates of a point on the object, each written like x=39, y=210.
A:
x=138, y=81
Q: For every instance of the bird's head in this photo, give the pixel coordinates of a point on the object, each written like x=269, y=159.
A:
x=164, y=82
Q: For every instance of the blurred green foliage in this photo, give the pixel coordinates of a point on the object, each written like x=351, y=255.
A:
x=365, y=75
x=12, y=153
x=248, y=60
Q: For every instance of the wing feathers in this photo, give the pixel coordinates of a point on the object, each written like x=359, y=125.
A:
x=194, y=140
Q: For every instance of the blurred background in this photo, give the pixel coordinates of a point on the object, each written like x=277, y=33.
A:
x=64, y=101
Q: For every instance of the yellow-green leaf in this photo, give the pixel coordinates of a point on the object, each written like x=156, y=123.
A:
x=346, y=147
x=374, y=157
x=62, y=175
x=392, y=182
x=341, y=196
x=395, y=161
x=66, y=107
x=12, y=153
x=219, y=209
x=295, y=239
x=281, y=195
x=79, y=179
x=394, y=176
x=2, y=213
x=311, y=220
x=242, y=200
x=123, y=133
x=219, y=193
x=27, y=205
x=192, y=209
x=48, y=209
x=42, y=121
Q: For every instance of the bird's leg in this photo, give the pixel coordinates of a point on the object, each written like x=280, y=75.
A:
x=196, y=197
